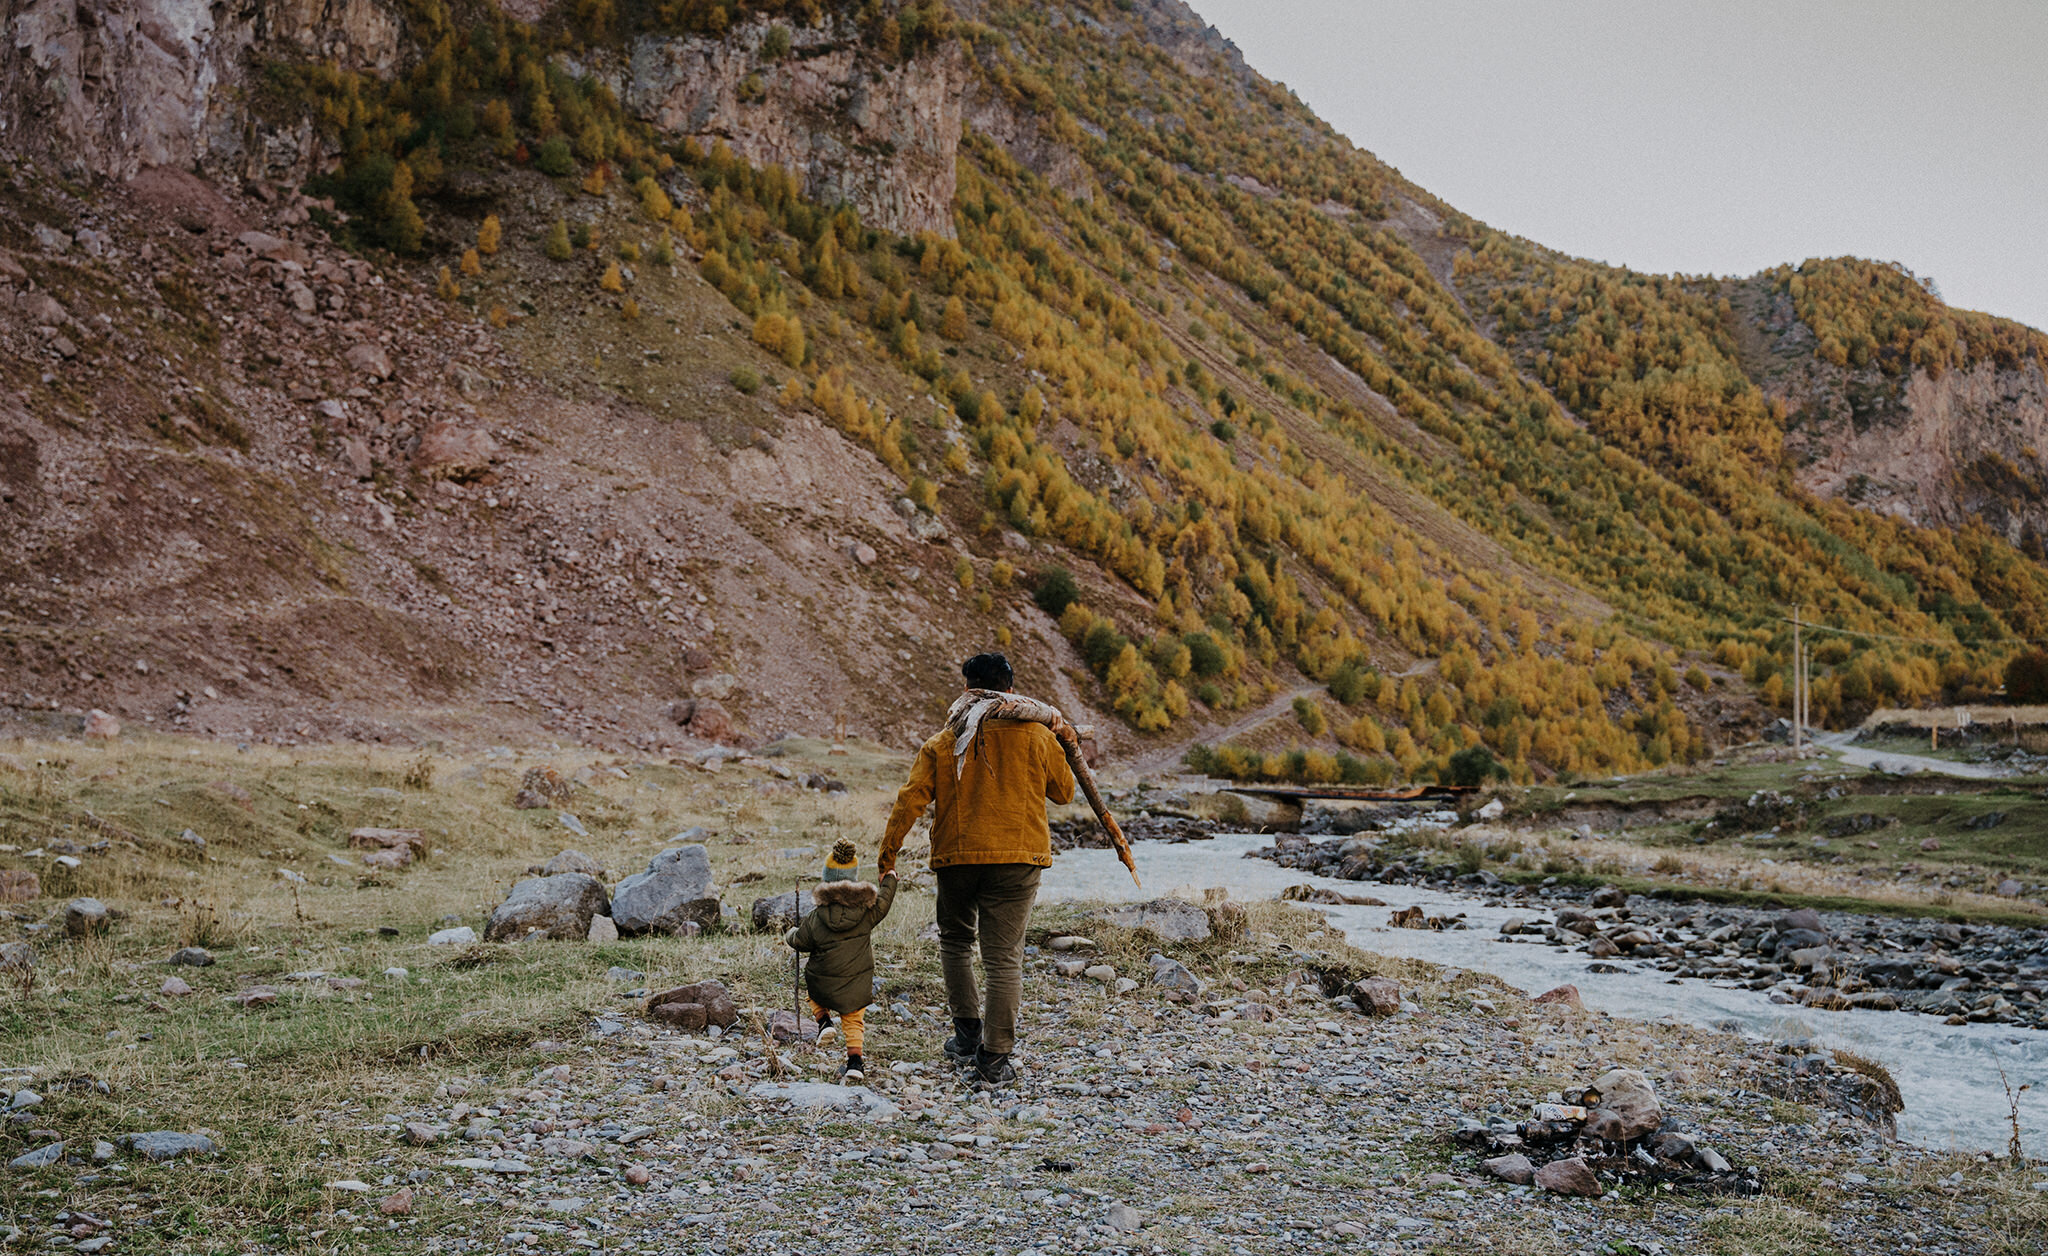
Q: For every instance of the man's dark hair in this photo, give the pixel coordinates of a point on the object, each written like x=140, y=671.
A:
x=987, y=671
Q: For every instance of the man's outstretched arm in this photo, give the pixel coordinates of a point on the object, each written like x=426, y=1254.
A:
x=911, y=801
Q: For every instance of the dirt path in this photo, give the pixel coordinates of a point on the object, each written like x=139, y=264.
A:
x=1863, y=757
x=1167, y=758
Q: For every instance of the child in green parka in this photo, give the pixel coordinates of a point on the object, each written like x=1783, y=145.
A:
x=841, y=974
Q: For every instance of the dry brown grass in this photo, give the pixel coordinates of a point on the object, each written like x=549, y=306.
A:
x=286, y=1089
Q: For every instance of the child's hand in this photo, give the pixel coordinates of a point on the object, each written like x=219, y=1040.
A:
x=789, y=939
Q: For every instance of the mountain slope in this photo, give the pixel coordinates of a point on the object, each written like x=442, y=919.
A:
x=812, y=340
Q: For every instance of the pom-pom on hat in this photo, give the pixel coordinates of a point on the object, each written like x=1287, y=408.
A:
x=843, y=864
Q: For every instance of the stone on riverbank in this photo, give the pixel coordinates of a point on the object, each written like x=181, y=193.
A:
x=1571, y=1176
x=557, y=907
x=674, y=891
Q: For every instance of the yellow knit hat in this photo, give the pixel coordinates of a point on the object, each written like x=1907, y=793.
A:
x=843, y=864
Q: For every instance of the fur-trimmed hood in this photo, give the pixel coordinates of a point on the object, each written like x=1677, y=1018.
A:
x=841, y=973
x=859, y=895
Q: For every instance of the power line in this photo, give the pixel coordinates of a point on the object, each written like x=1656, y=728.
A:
x=1885, y=636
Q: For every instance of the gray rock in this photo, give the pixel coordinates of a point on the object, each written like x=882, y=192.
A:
x=1124, y=1219
x=628, y=976
x=674, y=891
x=558, y=907
x=1513, y=1168
x=102, y=1151
x=23, y=1100
x=1671, y=1145
x=16, y=957
x=1610, y=896
x=2009, y=888
x=1806, y=918
x=370, y=359
x=1168, y=919
x=40, y=1158
x=1810, y=956
x=1628, y=1107
x=167, y=1145
x=855, y=1101
x=1710, y=1160
x=780, y=911
x=85, y=916
x=573, y=861
x=694, y=1006
x=461, y=935
x=192, y=957
x=718, y=686
x=1569, y=1177
x=603, y=929
x=1376, y=996
x=1172, y=976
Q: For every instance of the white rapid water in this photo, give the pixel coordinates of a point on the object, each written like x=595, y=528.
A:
x=1949, y=1075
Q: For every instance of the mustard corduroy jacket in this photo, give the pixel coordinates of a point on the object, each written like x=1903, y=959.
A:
x=994, y=811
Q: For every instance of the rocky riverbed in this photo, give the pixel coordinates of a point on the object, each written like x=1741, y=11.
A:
x=1204, y=1093
x=1825, y=960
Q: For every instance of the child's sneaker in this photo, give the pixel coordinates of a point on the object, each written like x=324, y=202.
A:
x=854, y=1073
x=825, y=1030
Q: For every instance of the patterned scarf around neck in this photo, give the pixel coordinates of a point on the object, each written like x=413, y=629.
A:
x=965, y=718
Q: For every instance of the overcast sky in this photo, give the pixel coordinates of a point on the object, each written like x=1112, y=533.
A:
x=1716, y=137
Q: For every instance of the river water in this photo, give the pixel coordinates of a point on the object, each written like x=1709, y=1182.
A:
x=1948, y=1074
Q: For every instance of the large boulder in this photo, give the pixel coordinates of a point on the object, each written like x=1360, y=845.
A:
x=694, y=1006
x=1627, y=1106
x=706, y=718
x=1805, y=919
x=781, y=911
x=1569, y=1177
x=1376, y=996
x=455, y=453
x=571, y=861
x=1173, y=977
x=371, y=360
x=1513, y=1167
x=85, y=916
x=558, y=907
x=1168, y=919
x=673, y=892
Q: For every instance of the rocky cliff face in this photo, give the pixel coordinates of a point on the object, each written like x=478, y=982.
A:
x=1966, y=445
x=1946, y=449
x=879, y=136
x=120, y=86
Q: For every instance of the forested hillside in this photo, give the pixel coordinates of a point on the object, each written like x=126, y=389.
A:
x=1231, y=401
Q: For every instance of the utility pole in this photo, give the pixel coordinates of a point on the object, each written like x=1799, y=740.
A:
x=1798, y=689
x=1806, y=691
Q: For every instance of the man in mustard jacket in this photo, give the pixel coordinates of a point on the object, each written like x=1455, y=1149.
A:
x=990, y=842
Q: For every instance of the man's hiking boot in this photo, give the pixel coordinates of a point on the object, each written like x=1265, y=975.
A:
x=966, y=1040
x=993, y=1070
x=854, y=1073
